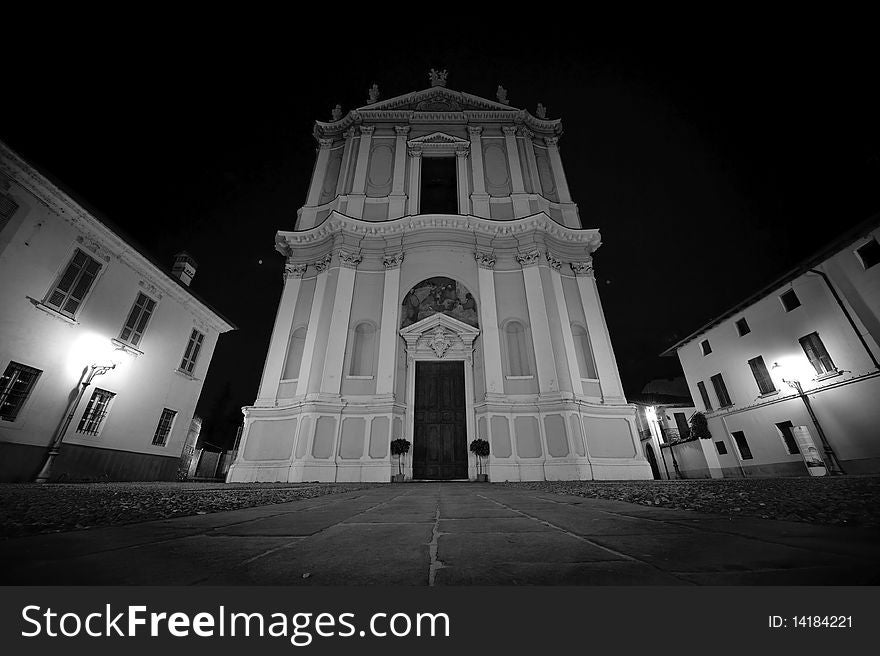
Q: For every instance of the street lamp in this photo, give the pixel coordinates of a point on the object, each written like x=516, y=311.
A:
x=88, y=375
x=788, y=375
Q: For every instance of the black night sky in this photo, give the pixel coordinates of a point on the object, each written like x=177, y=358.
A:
x=710, y=165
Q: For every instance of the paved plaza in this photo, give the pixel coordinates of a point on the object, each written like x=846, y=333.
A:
x=421, y=534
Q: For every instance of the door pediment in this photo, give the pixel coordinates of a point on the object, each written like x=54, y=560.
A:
x=440, y=337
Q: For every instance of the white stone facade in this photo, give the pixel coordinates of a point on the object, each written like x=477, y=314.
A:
x=511, y=266
x=836, y=297
x=41, y=232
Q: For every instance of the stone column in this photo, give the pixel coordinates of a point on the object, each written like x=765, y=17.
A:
x=520, y=201
x=489, y=324
x=397, y=200
x=305, y=367
x=389, y=327
x=346, y=161
x=356, y=201
x=461, y=156
x=320, y=172
x=558, y=171
x=540, y=325
x=567, y=337
x=415, y=179
x=274, y=366
x=479, y=198
x=534, y=176
x=339, y=319
x=606, y=365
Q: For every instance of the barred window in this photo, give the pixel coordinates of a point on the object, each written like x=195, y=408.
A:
x=163, y=430
x=742, y=327
x=762, y=376
x=816, y=354
x=869, y=253
x=705, y=347
x=192, y=351
x=74, y=284
x=96, y=412
x=15, y=386
x=790, y=300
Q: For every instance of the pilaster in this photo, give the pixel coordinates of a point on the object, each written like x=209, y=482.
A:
x=274, y=366
x=397, y=199
x=461, y=158
x=389, y=327
x=565, y=320
x=308, y=360
x=534, y=178
x=518, y=193
x=558, y=171
x=415, y=179
x=357, y=196
x=479, y=197
x=320, y=172
x=606, y=365
x=540, y=324
x=331, y=383
x=346, y=161
x=489, y=324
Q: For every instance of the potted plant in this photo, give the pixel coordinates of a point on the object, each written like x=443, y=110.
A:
x=399, y=448
x=480, y=448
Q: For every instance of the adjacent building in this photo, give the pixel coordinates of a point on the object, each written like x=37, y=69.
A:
x=439, y=287
x=789, y=378
x=102, y=352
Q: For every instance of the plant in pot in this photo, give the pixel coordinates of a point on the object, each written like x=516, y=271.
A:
x=399, y=448
x=480, y=448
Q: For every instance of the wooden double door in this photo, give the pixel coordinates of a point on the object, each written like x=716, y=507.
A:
x=439, y=431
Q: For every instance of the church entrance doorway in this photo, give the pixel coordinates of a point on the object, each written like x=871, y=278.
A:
x=439, y=427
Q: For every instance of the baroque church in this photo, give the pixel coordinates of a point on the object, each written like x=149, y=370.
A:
x=439, y=287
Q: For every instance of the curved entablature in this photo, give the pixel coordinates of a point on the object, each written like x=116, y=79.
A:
x=478, y=232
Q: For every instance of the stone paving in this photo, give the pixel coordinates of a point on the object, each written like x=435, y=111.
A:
x=449, y=534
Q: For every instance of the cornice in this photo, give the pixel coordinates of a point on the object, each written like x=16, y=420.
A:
x=337, y=223
x=96, y=233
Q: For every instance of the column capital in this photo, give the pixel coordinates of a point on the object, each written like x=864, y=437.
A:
x=461, y=152
x=325, y=142
x=485, y=260
x=324, y=263
x=367, y=130
x=415, y=151
x=292, y=270
x=350, y=132
x=509, y=130
x=349, y=260
x=401, y=129
x=523, y=131
x=528, y=258
x=475, y=130
x=554, y=261
x=393, y=261
x=551, y=141
x=584, y=268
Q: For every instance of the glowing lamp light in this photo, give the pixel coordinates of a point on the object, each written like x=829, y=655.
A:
x=92, y=349
x=792, y=369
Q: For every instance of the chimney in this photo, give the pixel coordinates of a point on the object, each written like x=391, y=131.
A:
x=184, y=268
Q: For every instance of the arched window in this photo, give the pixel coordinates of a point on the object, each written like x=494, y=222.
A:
x=584, y=351
x=295, y=354
x=518, y=361
x=362, y=350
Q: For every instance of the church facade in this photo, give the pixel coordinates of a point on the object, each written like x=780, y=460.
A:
x=439, y=288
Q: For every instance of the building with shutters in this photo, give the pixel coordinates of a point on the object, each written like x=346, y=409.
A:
x=819, y=324
x=85, y=311
x=439, y=287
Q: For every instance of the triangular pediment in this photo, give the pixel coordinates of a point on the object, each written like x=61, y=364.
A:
x=438, y=99
x=443, y=321
x=438, y=138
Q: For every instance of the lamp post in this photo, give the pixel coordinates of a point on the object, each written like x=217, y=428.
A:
x=833, y=464
x=89, y=374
